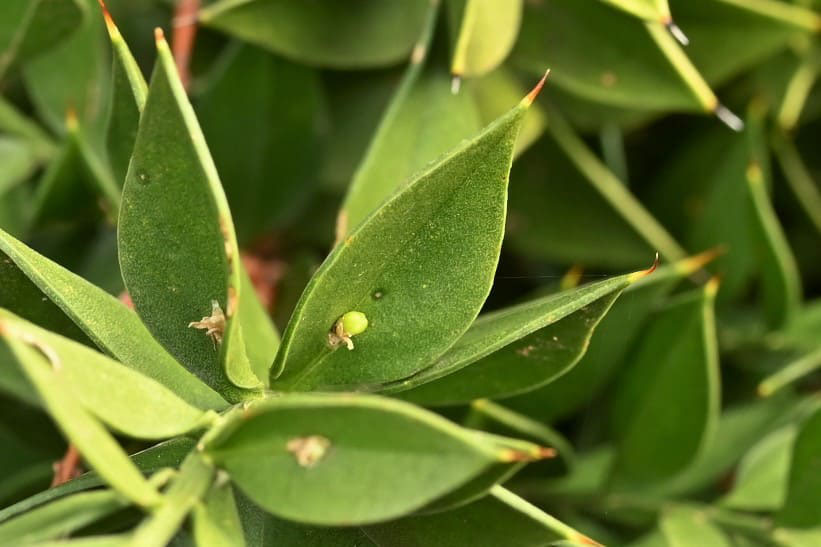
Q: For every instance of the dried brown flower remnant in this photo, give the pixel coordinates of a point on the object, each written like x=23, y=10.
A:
x=308, y=451
x=214, y=324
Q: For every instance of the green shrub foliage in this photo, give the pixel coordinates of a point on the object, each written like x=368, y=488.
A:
x=568, y=295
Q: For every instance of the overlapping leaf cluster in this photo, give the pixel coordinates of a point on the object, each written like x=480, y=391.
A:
x=513, y=385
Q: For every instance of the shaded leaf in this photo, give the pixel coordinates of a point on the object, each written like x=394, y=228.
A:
x=659, y=425
x=29, y=27
x=720, y=31
x=423, y=121
x=324, y=33
x=501, y=518
x=396, y=268
x=166, y=454
x=516, y=349
x=802, y=508
x=274, y=105
x=609, y=345
x=578, y=40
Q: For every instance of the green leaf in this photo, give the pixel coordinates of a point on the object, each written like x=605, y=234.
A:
x=501, y=518
x=60, y=518
x=717, y=168
x=128, y=94
x=324, y=33
x=739, y=429
x=29, y=27
x=667, y=403
x=683, y=526
x=306, y=457
x=189, y=486
x=274, y=105
x=643, y=69
x=166, y=454
x=397, y=269
x=761, y=479
x=110, y=390
x=423, y=121
x=216, y=520
x=551, y=193
x=487, y=32
x=107, y=322
x=802, y=508
x=720, y=31
x=98, y=447
x=609, y=345
x=19, y=161
x=178, y=250
x=516, y=349
x=71, y=77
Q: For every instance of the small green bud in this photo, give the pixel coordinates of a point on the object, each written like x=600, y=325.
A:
x=354, y=322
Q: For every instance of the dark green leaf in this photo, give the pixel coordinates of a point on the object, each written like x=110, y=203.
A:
x=802, y=508
x=501, y=518
x=516, y=349
x=398, y=269
x=29, y=27
x=325, y=33
x=667, y=403
x=273, y=104
x=178, y=250
x=642, y=69
x=610, y=343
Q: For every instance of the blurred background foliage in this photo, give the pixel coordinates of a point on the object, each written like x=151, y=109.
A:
x=652, y=135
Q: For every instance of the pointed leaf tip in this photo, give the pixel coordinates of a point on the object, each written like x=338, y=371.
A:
x=644, y=273
x=530, y=97
x=109, y=21
x=159, y=35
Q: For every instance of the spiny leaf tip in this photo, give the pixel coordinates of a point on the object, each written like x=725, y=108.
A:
x=644, y=273
x=530, y=97
x=159, y=35
x=109, y=21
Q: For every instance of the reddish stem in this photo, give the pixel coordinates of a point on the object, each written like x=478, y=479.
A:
x=68, y=468
x=183, y=36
